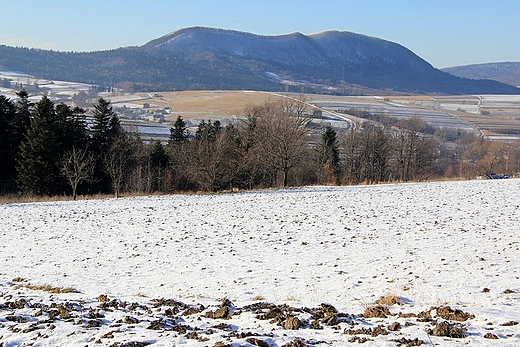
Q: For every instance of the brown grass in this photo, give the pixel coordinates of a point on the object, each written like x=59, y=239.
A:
x=389, y=300
x=25, y=199
x=214, y=103
x=202, y=104
x=20, y=199
x=49, y=289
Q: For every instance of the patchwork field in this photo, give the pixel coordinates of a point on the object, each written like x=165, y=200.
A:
x=494, y=116
x=386, y=265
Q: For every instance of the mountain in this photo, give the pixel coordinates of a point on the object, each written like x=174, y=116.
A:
x=205, y=58
x=507, y=72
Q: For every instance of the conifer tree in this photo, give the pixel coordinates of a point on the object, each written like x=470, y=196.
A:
x=105, y=130
x=14, y=121
x=208, y=131
x=72, y=127
x=175, y=174
x=158, y=164
x=23, y=113
x=328, y=156
x=8, y=148
x=38, y=170
x=179, y=132
x=105, y=125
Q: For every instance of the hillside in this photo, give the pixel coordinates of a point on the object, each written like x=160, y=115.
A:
x=508, y=72
x=204, y=58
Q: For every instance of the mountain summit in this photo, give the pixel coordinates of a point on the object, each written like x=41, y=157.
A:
x=332, y=58
x=206, y=58
x=321, y=50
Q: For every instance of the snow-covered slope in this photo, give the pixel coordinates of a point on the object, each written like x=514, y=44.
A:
x=429, y=245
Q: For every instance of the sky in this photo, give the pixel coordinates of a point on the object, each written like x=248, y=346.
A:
x=443, y=32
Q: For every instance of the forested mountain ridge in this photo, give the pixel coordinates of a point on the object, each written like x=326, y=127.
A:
x=205, y=58
x=505, y=72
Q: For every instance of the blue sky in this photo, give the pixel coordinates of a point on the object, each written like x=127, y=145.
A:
x=445, y=33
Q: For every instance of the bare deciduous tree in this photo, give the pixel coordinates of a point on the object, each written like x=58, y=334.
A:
x=211, y=159
x=77, y=166
x=366, y=153
x=483, y=157
x=253, y=168
x=414, y=152
x=282, y=130
x=117, y=160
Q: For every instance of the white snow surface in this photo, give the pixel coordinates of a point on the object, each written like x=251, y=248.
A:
x=432, y=244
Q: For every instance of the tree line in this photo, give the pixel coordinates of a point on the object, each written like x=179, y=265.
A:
x=50, y=149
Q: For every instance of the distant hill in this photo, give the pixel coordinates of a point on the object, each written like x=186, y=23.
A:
x=205, y=58
x=508, y=72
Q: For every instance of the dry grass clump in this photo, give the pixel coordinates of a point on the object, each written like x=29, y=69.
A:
x=389, y=300
x=45, y=287
x=380, y=309
x=54, y=290
x=103, y=298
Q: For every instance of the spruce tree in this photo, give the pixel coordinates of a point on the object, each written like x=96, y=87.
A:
x=23, y=113
x=14, y=121
x=72, y=127
x=158, y=156
x=179, y=132
x=38, y=170
x=8, y=149
x=328, y=155
x=105, y=125
x=104, y=131
x=329, y=143
x=158, y=164
x=208, y=131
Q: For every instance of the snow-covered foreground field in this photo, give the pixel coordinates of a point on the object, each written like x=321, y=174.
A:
x=277, y=256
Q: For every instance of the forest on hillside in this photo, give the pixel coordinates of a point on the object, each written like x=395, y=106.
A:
x=51, y=149
x=137, y=69
x=132, y=70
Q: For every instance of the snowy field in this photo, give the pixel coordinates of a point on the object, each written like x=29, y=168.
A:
x=298, y=267
x=54, y=88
